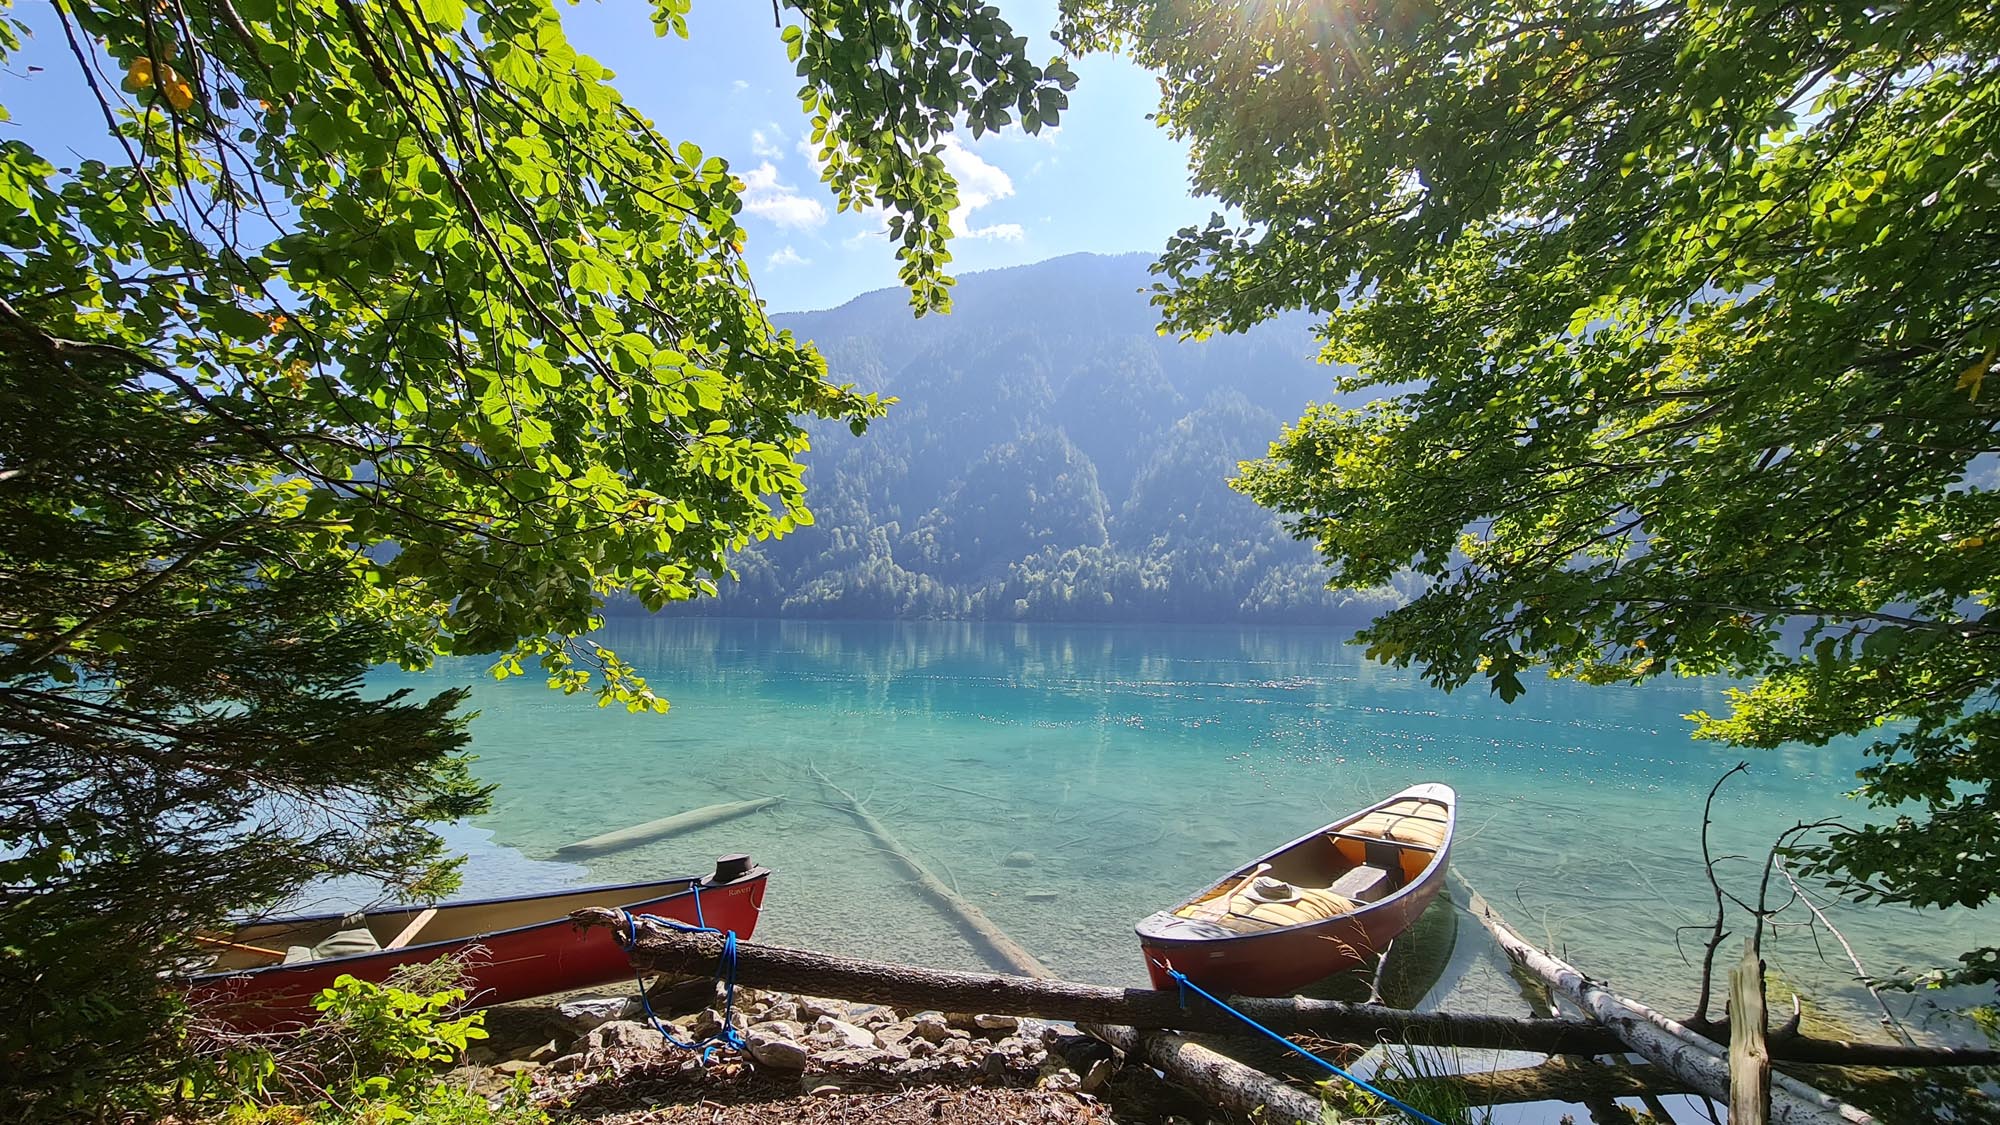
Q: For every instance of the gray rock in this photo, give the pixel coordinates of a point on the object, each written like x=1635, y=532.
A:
x=1098, y=1075
x=895, y=1034
x=782, y=1008
x=777, y=1029
x=776, y=1051
x=1062, y=1081
x=1005, y=1024
x=870, y=1016
x=568, y=1064
x=1042, y=896
x=517, y=1066
x=813, y=1007
x=626, y=1034
x=841, y=1034
x=851, y=1057
x=582, y=1014
x=1019, y=859
x=708, y=1024
x=1038, y=1031
x=931, y=1026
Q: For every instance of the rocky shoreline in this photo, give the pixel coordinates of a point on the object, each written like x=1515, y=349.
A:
x=603, y=1051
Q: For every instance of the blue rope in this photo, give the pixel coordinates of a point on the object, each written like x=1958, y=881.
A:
x=725, y=974
x=1187, y=984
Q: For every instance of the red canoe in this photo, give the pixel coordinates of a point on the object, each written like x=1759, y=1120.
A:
x=1328, y=901
x=512, y=948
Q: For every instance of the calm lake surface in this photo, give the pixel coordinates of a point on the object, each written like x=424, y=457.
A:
x=1135, y=764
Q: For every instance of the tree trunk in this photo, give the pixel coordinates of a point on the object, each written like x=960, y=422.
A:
x=662, y=828
x=1700, y=1063
x=914, y=988
x=1749, y=1058
x=1221, y=1080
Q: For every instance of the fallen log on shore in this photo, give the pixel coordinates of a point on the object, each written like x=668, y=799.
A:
x=907, y=986
x=1002, y=951
x=1220, y=1079
x=911, y=986
x=662, y=828
x=1700, y=1063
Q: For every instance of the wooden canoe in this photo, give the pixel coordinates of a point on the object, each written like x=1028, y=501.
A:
x=1326, y=902
x=511, y=948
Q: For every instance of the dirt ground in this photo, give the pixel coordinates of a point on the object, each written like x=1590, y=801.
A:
x=731, y=1093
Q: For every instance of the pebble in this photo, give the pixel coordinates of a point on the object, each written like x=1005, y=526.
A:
x=583, y=1014
x=626, y=1033
x=776, y=1052
x=840, y=1034
x=1019, y=859
x=931, y=1026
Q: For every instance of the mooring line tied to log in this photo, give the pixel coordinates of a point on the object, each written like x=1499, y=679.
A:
x=725, y=975
x=1188, y=986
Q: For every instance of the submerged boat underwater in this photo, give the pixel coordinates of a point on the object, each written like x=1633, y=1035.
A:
x=1328, y=901
x=267, y=972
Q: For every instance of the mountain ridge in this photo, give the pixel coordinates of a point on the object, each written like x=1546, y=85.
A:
x=1051, y=457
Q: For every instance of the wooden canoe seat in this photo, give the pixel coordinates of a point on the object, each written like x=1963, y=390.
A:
x=1362, y=884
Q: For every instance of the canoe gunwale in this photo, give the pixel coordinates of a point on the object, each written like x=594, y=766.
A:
x=690, y=884
x=1430, y=874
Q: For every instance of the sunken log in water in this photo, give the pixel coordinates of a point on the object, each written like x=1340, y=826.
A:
x=1699, y=1062
x=993, y=943
x=662, y=828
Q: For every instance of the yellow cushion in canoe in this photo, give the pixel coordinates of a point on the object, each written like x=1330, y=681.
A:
x=1405, y=822
x=1309, y=904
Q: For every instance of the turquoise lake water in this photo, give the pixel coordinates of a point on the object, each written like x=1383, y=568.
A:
x=1134, y=764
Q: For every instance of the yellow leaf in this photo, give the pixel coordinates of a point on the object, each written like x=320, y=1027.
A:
x=1969, y=380
x=1971, y=542
x=180, y=95
x=140, y=74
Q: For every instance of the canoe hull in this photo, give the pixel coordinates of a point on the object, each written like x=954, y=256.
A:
x=553, y=955
x=1283, y=960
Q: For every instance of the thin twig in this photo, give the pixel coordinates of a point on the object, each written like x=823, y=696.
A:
x=1860, y=973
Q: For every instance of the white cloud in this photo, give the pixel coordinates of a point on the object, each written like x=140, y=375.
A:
x=768, y=142
x=786, y=257
x=979, y=184
x=739, y=85
x=810, y=151
x=766, y=198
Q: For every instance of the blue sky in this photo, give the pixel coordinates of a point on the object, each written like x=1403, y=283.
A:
x=1107, y=181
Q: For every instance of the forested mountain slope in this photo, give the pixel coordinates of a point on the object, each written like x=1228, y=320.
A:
x=1051, y=458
